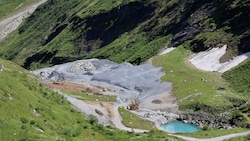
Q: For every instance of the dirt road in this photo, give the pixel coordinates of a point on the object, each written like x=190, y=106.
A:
x=117, y=120
x=220, y=138
x=10, y=24
x=89, y=109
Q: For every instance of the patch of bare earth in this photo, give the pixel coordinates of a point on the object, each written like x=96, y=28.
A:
x=72, y=87
x=165, y=102
x=106, y=105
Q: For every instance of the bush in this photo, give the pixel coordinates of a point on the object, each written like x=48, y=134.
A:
x=92, y=119
x=24, y=120
x=32, y=122
x=23, y=127
x=205, y=128
x=110, y=133
x=85, y=126
x=248, y=137
x=76, y=132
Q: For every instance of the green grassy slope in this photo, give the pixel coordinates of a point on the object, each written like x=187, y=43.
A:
x=29, y=111
x=133, y=121
x=8, y=7
x=132, y=30
x=21, y=96
x=239, y=77
x=202, y=91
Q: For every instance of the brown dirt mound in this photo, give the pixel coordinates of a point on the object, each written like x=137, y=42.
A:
x=72, y=87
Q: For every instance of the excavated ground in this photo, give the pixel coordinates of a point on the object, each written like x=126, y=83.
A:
x=129, y=83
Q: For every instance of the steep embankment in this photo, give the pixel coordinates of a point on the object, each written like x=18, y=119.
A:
x=239, y=77
x=31, y=111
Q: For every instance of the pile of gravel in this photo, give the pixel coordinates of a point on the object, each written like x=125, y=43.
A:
x=84, y=65
x=141, y=81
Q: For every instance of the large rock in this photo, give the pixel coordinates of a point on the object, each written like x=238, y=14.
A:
x=84, y=65
x=1, y=67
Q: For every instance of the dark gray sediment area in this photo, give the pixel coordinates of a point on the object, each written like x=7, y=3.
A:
x=141, y=81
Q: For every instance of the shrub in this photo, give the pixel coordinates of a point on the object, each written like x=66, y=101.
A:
x=32, y=122
x=205, y=128
x=85, y=126
x=24, y=120
x=92, y=119
x=23, y=127
x=110, y=133
x=76, y=132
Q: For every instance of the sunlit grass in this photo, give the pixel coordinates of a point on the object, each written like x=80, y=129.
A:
x=93, y=97
x=187, y=80
x=31, y=111
x=10, y=7
x=131, y=120
x=242, y=138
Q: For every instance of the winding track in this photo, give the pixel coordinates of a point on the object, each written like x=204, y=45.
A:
x=87, y=109
x=220, y=138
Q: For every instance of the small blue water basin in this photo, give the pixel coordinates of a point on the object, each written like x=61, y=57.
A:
x=180, y=127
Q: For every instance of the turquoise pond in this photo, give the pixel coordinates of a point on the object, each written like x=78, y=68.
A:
x=180, y=127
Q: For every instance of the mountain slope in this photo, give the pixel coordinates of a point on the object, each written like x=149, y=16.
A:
x=30, y=111
x=133, y=31
x=239, y=77
x=10, y=7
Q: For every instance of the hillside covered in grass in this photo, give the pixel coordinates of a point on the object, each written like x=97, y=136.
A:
x=30, y=111
x=132, y=30
x=239, y=77
x=206, y=96
x=8, y=7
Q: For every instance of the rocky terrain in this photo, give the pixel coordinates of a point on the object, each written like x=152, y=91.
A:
x=136, y=83
x=139, y=82
x=129, y=83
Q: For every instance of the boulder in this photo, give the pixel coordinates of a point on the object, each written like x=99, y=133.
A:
x=85, y=65
x=1, y=67
x=98, y=112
